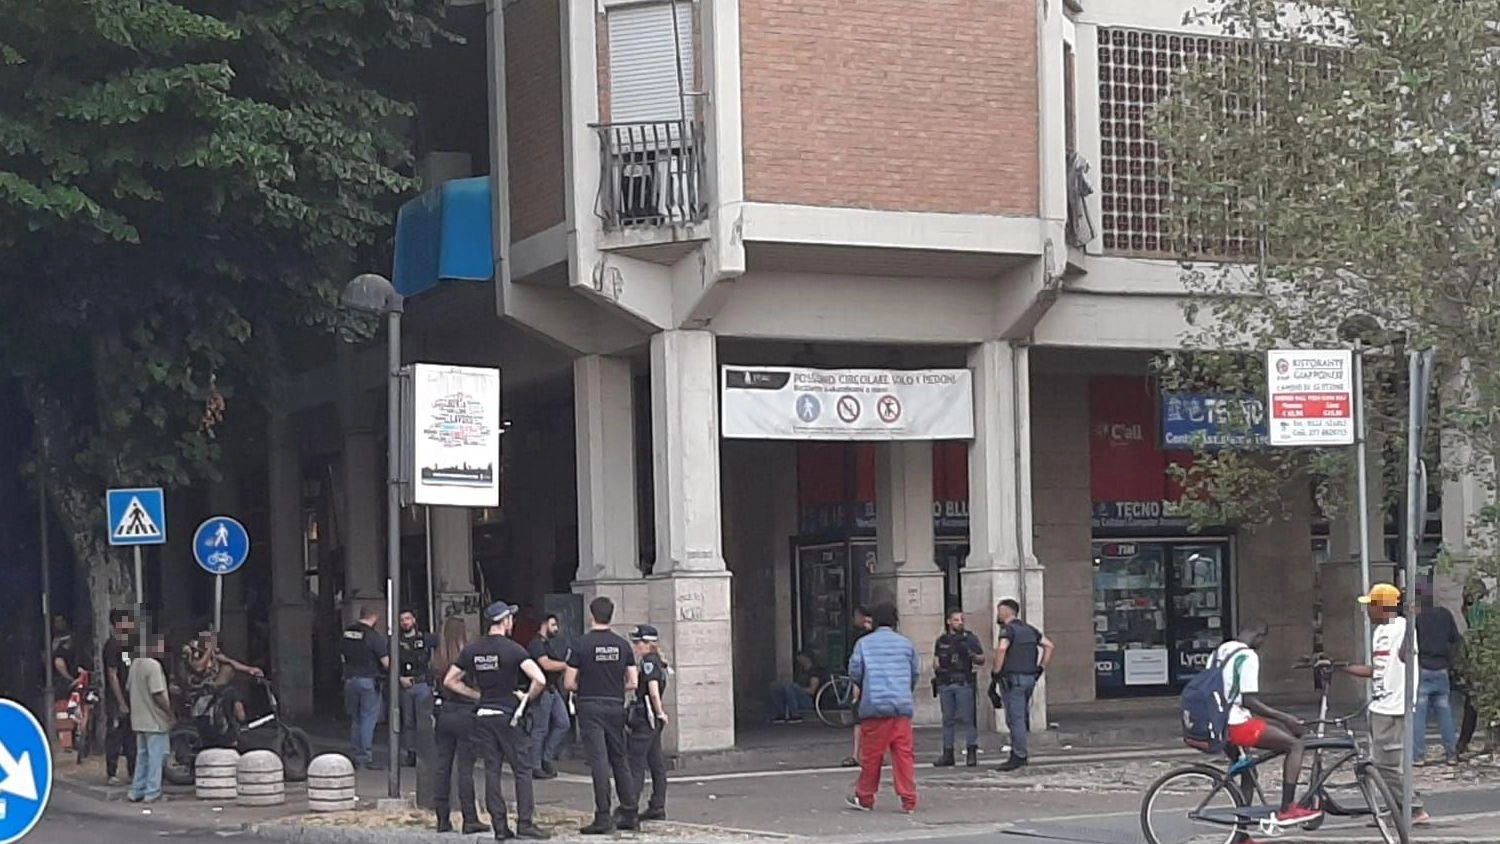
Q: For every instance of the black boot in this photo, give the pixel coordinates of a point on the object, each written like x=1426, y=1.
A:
x=972, y=757
x=602, y=825
x=654, y=815
x=527, y=829
x=502, y=829
x=1012, y=764
x=444, y=823
x=472, y=826
x=946, y=760
x=549, y=769
x=629, y=819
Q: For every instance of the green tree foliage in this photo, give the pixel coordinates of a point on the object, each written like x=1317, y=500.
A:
x=181, y=184
x=1355, y=145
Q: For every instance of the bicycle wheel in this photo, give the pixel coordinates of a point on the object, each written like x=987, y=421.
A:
x=834, y=703
x=1169, y=807
x=1383, y=805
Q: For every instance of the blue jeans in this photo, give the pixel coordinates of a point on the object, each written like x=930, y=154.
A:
x=410, y=702
x=788, y=699
x=549, y=726
x=1432, y=690
x=150, y=756
x=958, y=711
x=1017, y=694
x=362, y=705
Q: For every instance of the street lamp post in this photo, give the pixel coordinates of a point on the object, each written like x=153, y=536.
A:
x=375, y=294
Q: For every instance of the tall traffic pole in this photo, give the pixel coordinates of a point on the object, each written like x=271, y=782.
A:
x=1361, y=459
x=393, y=539
x=48, y=704
x=1419, y=371
x=140, y=581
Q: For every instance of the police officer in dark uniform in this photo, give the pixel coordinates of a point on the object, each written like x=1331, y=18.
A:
x=954, y=656
x=416, y=658
x=496, y=665
x=646, y=720
x=1022, y=654
x=365, y=653
x=601, y=671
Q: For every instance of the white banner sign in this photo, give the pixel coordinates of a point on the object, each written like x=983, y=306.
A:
x=1311, y=396
x=794, y=403
x=455, y=431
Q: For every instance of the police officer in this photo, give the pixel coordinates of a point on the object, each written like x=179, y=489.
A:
x=601, y=670
x=647, y=719
x=453, y=716
x=416, y=658
x=496, y=664
x=366, y=654
x=1022, y=654
x=954, y=656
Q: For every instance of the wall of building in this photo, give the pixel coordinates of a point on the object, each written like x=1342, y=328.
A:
x=534, y=106
x=1060, y=516
x=905, y=108
x=1274, y=583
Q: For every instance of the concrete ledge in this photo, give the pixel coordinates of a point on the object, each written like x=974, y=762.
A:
x=302, y=834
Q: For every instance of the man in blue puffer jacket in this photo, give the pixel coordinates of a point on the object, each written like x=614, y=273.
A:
x=885, y=667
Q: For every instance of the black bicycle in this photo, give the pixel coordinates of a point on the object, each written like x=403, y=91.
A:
x=208, y=721
x=1198, y=802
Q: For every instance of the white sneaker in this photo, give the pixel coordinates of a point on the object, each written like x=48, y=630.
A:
x=853, y=802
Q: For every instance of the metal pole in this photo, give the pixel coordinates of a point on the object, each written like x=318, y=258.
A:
x=393, y=544
x=432, y=602
x=140, y=582
x=48, y=704
x=1361, y=458
x=218, y=603
x=1418, y=370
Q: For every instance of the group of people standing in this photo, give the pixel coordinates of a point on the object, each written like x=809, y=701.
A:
x=506, y=704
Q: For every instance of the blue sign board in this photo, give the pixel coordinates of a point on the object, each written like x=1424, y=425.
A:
x=221, y=545
x=25, y=771
x=136, y=516
x=1194, y=420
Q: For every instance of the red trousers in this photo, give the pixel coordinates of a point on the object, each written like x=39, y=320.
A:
x=876, y=736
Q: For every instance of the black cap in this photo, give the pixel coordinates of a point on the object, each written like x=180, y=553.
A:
x=498, y=612
x=644, y=633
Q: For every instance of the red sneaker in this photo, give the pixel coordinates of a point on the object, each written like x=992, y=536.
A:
x=1297, y=815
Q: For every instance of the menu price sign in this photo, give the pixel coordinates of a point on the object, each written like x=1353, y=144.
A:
x=1311, y=397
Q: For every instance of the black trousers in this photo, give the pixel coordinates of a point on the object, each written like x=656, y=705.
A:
x=602, y=723
x=498, y=742
x=644, y=744
x=455, y=742
x=1470, y=722
x=119, y=741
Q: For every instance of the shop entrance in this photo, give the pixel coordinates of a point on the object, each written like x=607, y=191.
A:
x=831, y=579
x=1161, y=607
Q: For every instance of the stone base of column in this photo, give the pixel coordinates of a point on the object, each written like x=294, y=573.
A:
x=692, y=612
x=919, y=599
x=632, y=597
x=986, y=584
x=292, y=658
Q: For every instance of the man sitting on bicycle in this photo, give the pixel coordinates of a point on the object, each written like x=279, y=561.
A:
x=1255, y=724
x=209, y=671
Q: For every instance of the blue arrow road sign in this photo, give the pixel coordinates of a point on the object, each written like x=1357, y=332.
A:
x=25, y=772
x=221, y=545
x=136, y=517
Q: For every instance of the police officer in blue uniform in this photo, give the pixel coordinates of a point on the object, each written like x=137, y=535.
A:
x=954, y=656
x=646, y=721
x=365, y=653
x=496, y=664
x=416, y=650
x=601, y=672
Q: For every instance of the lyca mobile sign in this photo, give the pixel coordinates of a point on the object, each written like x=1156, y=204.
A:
x=1311, y=396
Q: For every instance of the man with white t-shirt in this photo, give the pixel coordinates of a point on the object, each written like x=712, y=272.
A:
x=1255, y=724
x=1388, y=701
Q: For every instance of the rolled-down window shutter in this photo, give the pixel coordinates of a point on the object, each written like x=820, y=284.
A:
x=642, y=76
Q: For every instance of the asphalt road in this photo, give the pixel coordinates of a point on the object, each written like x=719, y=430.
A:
x=77, y=820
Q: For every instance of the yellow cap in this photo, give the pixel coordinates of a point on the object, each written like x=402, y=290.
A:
x=1382, y=595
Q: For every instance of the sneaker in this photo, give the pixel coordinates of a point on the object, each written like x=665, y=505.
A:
x=113, y=781
x=654, y=815
x=543, y=774
x=849, y=762
x=1014, y=763
x=779, y=719
x=853, y=803
x=527, y=829
x=794, y=719
x=602, y=825
x=475, y=827
x=1296, y=815
x=155, y=798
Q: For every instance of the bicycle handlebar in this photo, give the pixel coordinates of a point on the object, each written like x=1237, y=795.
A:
x=1307, y=663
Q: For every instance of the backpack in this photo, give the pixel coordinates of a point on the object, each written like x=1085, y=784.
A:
x=1205, y=706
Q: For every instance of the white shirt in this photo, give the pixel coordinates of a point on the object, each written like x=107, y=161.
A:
x=1388, y=692
x=1242, y=663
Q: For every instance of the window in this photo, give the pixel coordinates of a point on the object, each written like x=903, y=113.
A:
x=651, y=61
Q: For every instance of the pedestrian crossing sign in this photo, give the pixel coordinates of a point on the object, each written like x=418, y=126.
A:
x=136, y=517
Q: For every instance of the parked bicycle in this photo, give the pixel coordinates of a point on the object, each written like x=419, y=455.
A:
x=208, y=721
x=836, y=700
x=1197, y=802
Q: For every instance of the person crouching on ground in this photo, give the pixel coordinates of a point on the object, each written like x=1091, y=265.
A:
x=885, y=668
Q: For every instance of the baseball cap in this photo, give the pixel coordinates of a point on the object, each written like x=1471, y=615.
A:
x=499, y=611
x=1382, y=595
x=644, y=633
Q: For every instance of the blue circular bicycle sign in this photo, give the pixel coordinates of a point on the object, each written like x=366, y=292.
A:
x=25, y=772
x=221, y=545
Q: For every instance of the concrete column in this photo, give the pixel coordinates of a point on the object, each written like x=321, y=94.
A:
x=608, y=541
x=906, y=574
x=690, y=587
x=453, y=567
x=224, y=500
x=361, y=494
x=291, y=612
x=1000, y=529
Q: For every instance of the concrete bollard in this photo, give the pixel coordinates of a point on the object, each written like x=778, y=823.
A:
x=261, y=780
x=331, y=784
x=216, y=774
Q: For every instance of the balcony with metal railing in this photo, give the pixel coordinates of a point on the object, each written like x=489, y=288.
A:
x=652, y=174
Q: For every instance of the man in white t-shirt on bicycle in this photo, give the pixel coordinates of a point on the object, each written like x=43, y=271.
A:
x=1255, y=724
